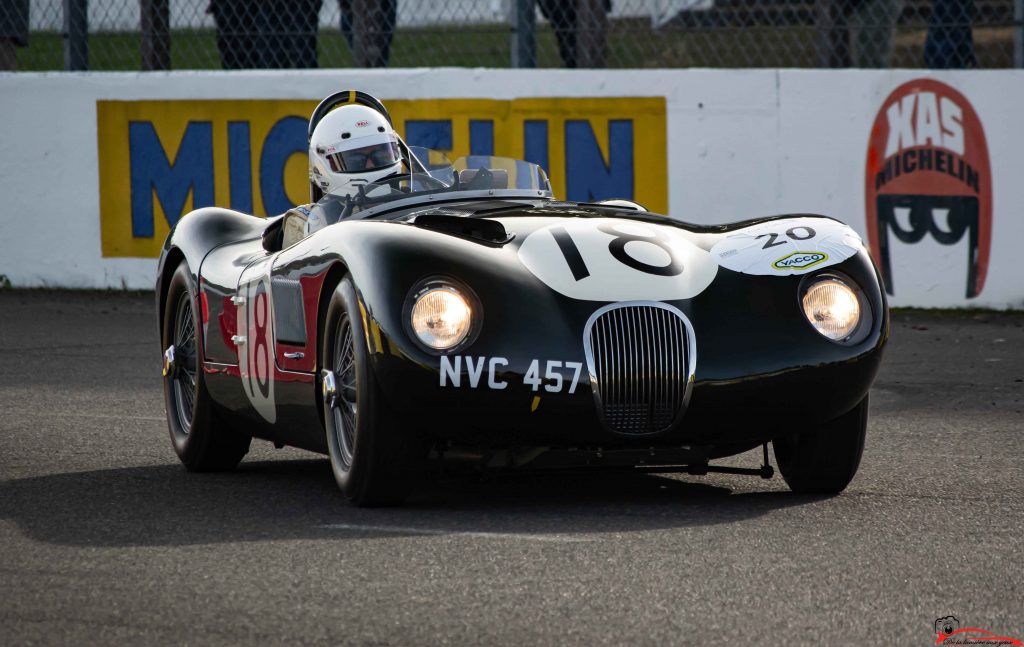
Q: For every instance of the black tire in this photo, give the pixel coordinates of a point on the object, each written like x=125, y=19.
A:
x=375, y=458
x=824, y=460
x=201, y=440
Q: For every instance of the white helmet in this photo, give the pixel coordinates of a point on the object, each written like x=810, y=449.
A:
x=352, y=145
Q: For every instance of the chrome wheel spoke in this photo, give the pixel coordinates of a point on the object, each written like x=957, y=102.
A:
x=188, y=362
x=184, y=380
x=346, y=368
x=344, y=415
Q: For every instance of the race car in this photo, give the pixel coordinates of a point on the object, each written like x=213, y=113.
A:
x=422, y=309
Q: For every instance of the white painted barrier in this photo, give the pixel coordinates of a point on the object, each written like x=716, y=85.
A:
x=941, y=201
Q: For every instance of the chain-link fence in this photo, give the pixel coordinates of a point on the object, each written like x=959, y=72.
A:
x=233, y=34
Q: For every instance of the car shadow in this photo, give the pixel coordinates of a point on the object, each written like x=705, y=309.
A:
x=163, y=505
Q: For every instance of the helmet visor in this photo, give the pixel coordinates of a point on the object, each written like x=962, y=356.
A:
x=365, y=158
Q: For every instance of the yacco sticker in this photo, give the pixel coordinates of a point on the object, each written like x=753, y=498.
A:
x=928, y=175
x=787, y=246
x=799, y=260
x=614, y=259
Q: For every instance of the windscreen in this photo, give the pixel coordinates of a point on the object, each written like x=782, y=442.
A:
x=464, y=174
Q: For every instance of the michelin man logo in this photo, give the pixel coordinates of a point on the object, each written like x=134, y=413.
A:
x=928, y=192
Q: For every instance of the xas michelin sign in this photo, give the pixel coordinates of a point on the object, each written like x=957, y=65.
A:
x=928, y=177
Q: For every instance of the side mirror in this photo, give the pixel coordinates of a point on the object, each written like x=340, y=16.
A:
x=273, y=235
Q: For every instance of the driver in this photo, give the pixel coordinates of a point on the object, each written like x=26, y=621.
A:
x=353, y=145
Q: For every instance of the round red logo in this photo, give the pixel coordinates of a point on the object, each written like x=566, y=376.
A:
x=928, y=175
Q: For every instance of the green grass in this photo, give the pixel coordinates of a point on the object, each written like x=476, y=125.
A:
x=631, y=44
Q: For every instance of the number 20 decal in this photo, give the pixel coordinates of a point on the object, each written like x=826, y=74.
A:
x=787, y=246
x=610, y=259
x=793, y=233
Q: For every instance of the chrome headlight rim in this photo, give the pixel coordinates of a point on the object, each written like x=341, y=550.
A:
x=435, y=282
x=866, y=320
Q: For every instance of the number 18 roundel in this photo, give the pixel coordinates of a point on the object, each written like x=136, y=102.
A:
x=611, y=259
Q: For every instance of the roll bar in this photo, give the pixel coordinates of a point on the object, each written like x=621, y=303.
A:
x=340, y=98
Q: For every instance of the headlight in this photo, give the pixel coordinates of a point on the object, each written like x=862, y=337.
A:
x=832, y=307
x=441, y=317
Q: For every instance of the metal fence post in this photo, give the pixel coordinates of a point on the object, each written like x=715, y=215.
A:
x=156, y=34
x=76, y=35
x=524, y=34
x=1018, y=33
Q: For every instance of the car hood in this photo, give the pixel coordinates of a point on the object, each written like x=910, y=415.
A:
x=611, y=258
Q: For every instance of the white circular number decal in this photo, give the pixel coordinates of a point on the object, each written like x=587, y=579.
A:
x=612, y=259
x=256, y=352
x=787, y=246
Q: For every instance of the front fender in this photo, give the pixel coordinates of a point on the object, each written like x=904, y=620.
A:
x=194, y=236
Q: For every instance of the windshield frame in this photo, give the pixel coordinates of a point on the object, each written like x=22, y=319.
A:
x=441, y=196
x=361, y=205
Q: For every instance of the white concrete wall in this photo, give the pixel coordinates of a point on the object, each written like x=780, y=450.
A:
x=741, y=144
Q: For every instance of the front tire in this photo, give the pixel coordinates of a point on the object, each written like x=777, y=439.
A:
x=201, y=440
x=374, y=456
x=824, y=460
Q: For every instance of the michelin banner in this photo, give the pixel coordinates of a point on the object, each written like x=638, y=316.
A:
x=96, y=168
x=252, y=155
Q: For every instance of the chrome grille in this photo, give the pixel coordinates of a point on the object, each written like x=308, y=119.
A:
x=641, y=358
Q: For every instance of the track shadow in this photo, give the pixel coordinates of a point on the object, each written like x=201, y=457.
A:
x=297, y=499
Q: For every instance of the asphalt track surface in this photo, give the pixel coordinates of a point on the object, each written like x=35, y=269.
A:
x=105, y=538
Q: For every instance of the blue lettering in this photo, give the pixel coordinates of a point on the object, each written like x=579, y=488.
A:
x=240, y=166
x=587, y=176
x=429, y=134
x=481, y=137
x=151, y=170
x=535, y=143
x=287, y=137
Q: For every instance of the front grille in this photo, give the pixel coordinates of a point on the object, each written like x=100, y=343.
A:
x=641, y=362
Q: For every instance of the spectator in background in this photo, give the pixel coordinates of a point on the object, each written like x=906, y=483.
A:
x=13, y=32
x=856, y=33
x=266, y=33
x=374, y=26
x=582, y=34
x=871, y=25
x=950, y=43
x=291, y=27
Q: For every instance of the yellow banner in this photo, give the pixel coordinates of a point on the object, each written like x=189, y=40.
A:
x=160, y=159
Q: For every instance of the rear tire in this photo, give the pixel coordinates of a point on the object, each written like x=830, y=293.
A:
x=825, y=459
x=201, y=440
x=375, y=458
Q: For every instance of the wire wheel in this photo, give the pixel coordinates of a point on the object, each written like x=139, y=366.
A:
x=344, y=409
x=184, y=377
